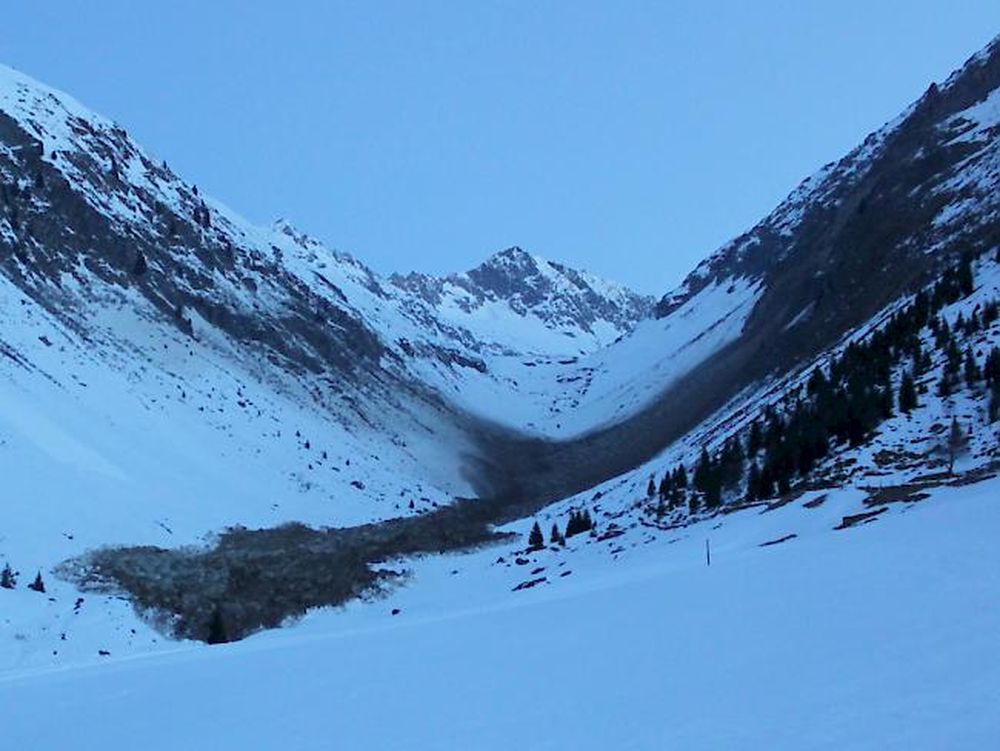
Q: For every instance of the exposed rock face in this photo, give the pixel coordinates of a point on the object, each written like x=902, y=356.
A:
x=849, y=240
x=573, y=303
x=88, y=219
x=921, y=187
x=90, y=222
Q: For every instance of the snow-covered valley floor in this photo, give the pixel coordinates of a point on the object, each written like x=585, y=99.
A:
x=880, y=636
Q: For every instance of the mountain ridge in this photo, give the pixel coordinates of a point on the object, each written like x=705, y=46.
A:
x=288, y=382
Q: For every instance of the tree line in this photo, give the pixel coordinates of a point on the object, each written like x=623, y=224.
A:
x=843, y=403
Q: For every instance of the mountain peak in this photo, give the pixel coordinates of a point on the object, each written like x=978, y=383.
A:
x=514, y=254
x=569, y=311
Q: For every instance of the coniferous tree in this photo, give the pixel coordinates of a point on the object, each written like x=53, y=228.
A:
x=38, y=585
x=994, y=408
x=8, y=579
x=753, y=483
x=942, y=335
x=755, y=440
x=536, y=540
x=784, y=485
x=944, y=386
x=965, y=280
x=140, y=267
x=991, y=370
x=555, y=536
x=990, y=313
x=972, y=372
x=651, y=487
x=666, y=486
x=907, y=394
x=703, y=470
x=572, y=525
x=680, y=477
x=579, y=521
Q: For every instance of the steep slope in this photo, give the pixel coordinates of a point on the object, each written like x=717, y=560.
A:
x=176, y=370
x=107, y=245
x=850, y=240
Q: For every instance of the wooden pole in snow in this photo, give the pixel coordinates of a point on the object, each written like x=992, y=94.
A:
x=708, y=553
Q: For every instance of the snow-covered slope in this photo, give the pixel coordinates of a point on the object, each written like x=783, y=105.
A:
x=567, y=397
x=171, y=370
x=881, y=636
x=557, y=310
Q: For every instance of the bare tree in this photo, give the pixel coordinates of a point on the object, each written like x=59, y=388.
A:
x=956, y=444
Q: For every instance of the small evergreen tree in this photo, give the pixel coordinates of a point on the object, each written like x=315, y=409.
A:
x=140, y=267
x=536, y=540
x=965, y=280
x=972, y=372
x=651, y=487
x=555, y=536
x=8, y=579
x=665, y=488
x=38, y=585
x=755, y=440
x=944, y=386
x=907, y=394
x=753, y=483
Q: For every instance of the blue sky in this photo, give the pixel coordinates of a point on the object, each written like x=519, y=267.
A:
x=628, y=138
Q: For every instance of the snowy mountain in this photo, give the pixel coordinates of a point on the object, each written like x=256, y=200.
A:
x=182, y=390
x=565, y=311
x=849, y=241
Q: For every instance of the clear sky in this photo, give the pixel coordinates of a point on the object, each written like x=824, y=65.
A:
x=627, y=138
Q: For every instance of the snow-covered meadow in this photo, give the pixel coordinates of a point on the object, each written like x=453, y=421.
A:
x=878, y=636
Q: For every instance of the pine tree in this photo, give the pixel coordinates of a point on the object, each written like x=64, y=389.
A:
x=755, y=440
x=665, y=487
x=8, y=579
x=965, y=280
x=753, y=483
x=536, y=540
x=703, y=471
x=38, y=585
x=945, y=385
x=907, y=394
x=972, y=372
x=651, y=487
x=140, y=267
x=991, y=370
x=555, y=536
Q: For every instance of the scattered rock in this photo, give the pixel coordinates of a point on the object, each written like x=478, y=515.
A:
x=778, y=541
x=529, y=584
x=863, y=518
